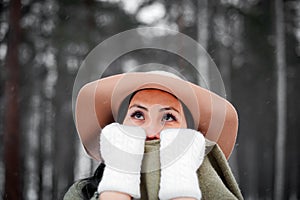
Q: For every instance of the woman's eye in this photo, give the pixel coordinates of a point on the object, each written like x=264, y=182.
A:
x=169, y=117
x=138, y=115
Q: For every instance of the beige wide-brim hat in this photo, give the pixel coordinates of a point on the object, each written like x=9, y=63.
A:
x=98, y=104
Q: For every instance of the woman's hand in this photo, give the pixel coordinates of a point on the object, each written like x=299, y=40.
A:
x=114, y=195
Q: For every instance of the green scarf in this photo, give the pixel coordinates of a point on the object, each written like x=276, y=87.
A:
x=215, y=177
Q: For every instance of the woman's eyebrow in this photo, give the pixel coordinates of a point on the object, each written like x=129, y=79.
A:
x=168, y=108
x=138, y=106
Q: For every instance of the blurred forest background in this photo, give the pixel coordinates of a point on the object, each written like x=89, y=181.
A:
x=254, y=43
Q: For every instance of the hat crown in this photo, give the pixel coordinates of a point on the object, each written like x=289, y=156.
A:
x=164, y=73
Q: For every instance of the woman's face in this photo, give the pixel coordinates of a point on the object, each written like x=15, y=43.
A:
x=155, y=110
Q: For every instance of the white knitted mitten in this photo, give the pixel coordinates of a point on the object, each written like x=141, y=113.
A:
x=122, y=149
x=181, y=154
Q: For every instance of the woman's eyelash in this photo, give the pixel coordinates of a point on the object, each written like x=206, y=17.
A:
x=140, y=116
x=137, y=114
x=169, y=115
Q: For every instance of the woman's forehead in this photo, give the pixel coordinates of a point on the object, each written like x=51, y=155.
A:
x=149, y=97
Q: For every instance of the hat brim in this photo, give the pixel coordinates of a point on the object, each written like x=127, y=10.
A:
x=98, y=103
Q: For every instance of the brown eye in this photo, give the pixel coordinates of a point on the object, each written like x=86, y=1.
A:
x=137, y=115
x=168, y=117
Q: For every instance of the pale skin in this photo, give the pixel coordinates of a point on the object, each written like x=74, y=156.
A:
x=154, y=111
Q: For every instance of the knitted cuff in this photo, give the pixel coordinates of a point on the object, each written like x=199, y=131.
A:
x=113, y=180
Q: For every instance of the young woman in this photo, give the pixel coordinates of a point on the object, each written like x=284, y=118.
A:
x=151, y=128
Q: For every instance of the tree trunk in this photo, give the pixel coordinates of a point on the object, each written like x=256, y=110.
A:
x=202, y=32
x=11, y=127
x=281, y=102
